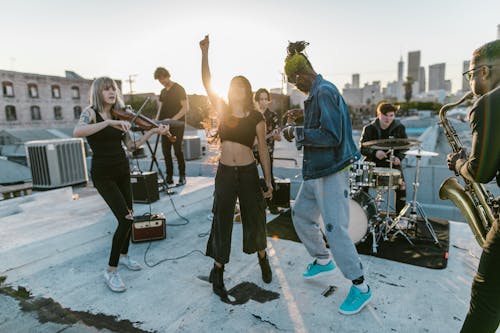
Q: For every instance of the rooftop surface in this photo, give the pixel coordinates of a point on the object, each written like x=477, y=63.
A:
x=55, y=245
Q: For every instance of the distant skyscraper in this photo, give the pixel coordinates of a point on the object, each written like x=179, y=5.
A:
x=436, y=76
x=400, y=69
x=447, y=85
x=355, y=81
x=498, y=31
x=421, y=79
x=413, y=64
x=465, y=68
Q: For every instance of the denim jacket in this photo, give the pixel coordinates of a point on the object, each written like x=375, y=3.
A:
x=327, y=133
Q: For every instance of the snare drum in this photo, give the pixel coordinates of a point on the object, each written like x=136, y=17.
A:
x=362, y=174
x=362, y=209
x=383, y=178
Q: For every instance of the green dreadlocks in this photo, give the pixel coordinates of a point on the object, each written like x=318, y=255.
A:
x=296, y=61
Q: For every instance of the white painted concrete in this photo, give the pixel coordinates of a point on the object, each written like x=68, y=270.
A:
x=60, y=252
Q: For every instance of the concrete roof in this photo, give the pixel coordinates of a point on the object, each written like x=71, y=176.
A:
x=13, y=150
x=60, y=252
x=13, y=172
x=28, y=134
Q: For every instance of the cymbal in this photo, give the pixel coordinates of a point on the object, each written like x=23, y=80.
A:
x=396, y=144
x=420, y=152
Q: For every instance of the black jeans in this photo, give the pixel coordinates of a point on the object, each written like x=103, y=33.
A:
x=484, y=310
x=233, y=182
x=117, y=192
x=166, y=147
x=400, y=196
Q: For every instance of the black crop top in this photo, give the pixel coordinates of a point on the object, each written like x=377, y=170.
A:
x=240, y=130
x=108, y=155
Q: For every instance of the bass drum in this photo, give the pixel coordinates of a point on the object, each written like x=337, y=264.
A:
x=362, y=209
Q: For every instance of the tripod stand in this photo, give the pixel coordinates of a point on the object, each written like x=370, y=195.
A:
x=387, y=222
x=154, y=162
x=414, y=206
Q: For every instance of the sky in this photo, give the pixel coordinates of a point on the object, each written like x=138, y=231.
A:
x=122, y=38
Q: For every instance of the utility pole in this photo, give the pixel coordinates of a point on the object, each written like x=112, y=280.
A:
x=282, y=99
x=130, y=82
x=283, y=80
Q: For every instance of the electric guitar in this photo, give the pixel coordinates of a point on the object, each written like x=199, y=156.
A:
x=268, y=136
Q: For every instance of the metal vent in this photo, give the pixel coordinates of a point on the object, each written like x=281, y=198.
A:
x=191, y=147
x=57, y=163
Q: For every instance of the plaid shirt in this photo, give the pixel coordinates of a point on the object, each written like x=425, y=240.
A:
x=272, y=123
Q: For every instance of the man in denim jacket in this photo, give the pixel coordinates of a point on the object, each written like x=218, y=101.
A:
x=329, y=150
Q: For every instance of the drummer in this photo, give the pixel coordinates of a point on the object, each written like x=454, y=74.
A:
x=386, y=126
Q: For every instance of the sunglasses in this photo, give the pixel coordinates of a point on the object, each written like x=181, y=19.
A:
x=470, y=73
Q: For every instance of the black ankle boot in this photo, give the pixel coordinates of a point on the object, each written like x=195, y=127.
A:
x=267, y=275
x=182, y=180
x=217, y=279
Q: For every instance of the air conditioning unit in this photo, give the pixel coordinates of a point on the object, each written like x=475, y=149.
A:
x=56, y=163
x=192, y=147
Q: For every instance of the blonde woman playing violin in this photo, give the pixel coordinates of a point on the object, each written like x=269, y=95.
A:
x=110, y=168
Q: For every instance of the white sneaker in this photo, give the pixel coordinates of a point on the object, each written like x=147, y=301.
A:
x=114, y=281
x=130, y=263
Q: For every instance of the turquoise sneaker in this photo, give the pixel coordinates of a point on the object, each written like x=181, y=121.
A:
x=314, y=269
x=355, y=301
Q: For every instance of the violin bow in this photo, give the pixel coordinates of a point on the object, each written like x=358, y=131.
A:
x=138, y=113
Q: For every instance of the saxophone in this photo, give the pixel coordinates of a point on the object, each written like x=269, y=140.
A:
x=474, y=201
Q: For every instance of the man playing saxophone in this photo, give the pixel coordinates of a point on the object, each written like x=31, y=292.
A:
x=481, y=166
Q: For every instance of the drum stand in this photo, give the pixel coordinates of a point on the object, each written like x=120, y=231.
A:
x=154, y=162
x=416, y=206
x=389, y=223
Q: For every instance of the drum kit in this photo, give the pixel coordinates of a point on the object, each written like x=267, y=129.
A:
x=366, y=216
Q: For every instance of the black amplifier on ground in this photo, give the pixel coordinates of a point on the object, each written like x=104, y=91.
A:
x=145, y=187
x=281, y=194
x=146, y=228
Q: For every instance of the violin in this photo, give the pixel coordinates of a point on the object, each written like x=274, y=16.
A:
x=141, y=121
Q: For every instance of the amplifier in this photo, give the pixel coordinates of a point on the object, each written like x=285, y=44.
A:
x=281, y=194
x=145, y=187
x=148, y=228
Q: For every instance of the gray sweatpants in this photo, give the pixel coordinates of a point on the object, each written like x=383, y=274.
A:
x=328, y=196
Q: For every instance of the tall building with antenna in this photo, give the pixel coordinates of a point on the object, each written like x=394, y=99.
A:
x=401, y=65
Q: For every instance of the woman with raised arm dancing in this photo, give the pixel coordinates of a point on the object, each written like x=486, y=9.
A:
x=110, y=168
x=237, y=176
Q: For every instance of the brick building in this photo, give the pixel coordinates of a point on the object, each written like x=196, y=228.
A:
x=42, y=101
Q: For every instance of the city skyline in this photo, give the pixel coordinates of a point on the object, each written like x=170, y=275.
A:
x=122, y=38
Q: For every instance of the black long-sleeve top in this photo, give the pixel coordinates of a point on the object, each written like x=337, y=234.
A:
x=373, y=131
x=483, y=163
